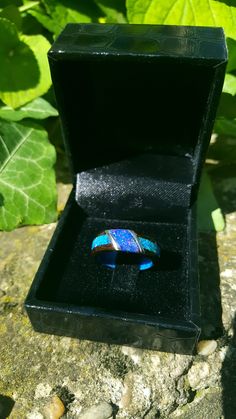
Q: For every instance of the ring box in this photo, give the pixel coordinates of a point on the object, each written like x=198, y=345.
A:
x=137, y=104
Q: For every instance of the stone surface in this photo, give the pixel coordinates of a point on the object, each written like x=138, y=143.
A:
x=135, y=384
x=206, y=347
x=101, y=410
x=206, y=404
x=55, y=409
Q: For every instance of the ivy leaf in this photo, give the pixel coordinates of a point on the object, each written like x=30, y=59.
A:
x=223, y=151
x=114, y=10
x=210, y=217
x=46, y=21
x=231, y=44
x=5, y=3
x=55, y=15
x=39, y=109
x=19, y=69
x=25, y=71
x=27, y=179
x=9, y=38
x=230, y=84
x=225, y=126
x=184, y=12
x=227, y=106
x=11, y=12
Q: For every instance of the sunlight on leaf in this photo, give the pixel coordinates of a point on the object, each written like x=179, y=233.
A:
x=39, y=109
x=210, y=217
x=26, y=73
x=231, y=44
x=27, y=178
x=184, y=12
x=230, y=84
x=56, y=14
x=113, y=10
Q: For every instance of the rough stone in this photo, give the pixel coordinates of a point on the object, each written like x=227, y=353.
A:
x=206, y=347
x=55, y=409
x=197, y=374
x=134, y=353
x=34, y=415
x=101, y=410
x=42, y=390
x=207, y=404
x=127, y=393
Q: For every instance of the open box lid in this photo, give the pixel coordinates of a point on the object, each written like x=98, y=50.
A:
x=124, y=90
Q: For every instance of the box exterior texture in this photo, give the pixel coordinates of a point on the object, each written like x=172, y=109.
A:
x=137, y=104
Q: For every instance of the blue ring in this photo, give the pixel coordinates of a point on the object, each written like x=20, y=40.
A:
x=113, y=243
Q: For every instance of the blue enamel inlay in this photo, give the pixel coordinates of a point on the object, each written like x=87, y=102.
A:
x=145, y=265
x=101, y=241
x=149, y=245
x=125, y=240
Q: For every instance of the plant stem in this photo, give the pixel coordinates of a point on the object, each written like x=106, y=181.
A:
x=28, y=6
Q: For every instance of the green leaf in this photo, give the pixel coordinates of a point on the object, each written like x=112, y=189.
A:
x=27, y=178
x=114, y=10
x=223, y=151
x=225, y=127
x=184, y=12
x=231, y=44
x=230, y=84
x=30, y=26
x=227, y=106
x=19, y=69
x=28, y=5
x=210, y=217
x=5, y=3
x=56, y=14
x=32, y=78
x=12, y=13
x=39, y=109
x=9, y=38
x=46, y=21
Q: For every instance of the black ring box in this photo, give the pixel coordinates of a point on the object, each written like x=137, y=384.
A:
x=137, y=104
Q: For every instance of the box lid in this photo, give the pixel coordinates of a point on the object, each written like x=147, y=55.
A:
x=124, y=90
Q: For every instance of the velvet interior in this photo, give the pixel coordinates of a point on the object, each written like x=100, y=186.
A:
x=74, y=277
x=145, y=187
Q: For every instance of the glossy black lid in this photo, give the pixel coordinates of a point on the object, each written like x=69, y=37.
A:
x=124, y=90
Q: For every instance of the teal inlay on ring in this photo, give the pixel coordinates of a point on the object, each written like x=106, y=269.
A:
x=101, y=241
x=146, y=265
x=148, y=245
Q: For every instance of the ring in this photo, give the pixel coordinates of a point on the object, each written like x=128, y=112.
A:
x=121, y=246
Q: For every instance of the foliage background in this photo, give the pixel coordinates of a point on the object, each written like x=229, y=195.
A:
x=27, y=108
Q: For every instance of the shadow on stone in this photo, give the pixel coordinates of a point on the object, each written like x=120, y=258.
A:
x=223, y=174
x=65, y=395
x=115, y=410
x=6, y=406
x=209, y=276
x=228, y=378
x=223, y=177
